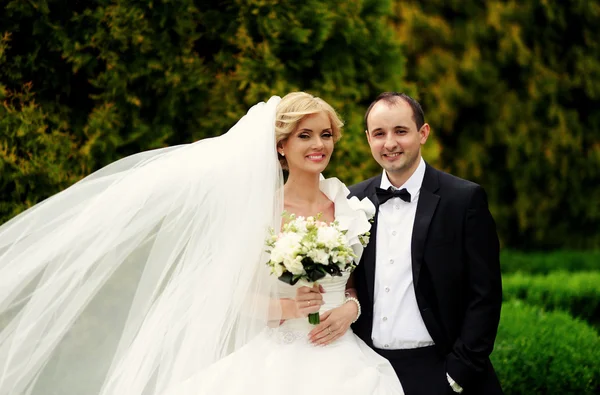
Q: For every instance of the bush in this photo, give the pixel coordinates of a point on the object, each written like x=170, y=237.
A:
x=541, y=352
x=576, y=293
x=546, y=262
x=35, y=158
x=112, y=78
x=512, y=91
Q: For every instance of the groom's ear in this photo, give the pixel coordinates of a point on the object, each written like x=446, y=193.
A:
x=368, y=136
x=424, y=132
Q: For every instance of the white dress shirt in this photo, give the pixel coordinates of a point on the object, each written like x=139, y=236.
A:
x=397, y=321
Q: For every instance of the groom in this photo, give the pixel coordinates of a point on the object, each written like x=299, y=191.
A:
x=429, y=280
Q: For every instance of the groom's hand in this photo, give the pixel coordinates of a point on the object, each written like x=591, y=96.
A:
x=334, y=324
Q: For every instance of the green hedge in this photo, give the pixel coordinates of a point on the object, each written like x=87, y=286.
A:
x=545, y=262
x=576, y=293
x=541, y=352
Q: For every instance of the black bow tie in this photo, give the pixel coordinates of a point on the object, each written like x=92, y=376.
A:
x=383, y=195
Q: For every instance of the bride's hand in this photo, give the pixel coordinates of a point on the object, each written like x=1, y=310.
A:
x=309, y=300
x=334, y=324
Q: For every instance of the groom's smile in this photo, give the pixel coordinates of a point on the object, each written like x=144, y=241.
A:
x=392, y=156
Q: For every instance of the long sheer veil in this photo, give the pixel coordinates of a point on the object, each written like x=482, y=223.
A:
x=145, y=271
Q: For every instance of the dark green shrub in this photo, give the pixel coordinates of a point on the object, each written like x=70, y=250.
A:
x=575, y=293
x=541, y=352
x=545, y=262
x=111, y=78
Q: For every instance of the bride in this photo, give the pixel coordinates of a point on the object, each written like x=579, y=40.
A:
x=148, y=277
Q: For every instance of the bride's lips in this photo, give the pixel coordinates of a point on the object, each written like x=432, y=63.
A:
x=315, y=157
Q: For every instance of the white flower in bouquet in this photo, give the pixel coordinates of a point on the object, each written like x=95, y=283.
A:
x=294, y=264
x=308, y=249
x=328, y=236
x=318, y=256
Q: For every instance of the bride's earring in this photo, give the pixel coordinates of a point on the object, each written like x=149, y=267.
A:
x=281, y=153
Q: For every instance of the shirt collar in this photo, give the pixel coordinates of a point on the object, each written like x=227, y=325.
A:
x=412, y=185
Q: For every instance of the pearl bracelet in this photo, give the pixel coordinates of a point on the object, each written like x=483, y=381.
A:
x=357, y=305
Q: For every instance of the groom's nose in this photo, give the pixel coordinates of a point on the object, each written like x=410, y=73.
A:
x=390, y=142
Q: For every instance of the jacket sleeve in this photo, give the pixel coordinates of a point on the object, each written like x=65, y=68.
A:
x=470, y=353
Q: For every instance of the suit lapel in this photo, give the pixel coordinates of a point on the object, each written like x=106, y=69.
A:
x=370, y=252
x=428, y=201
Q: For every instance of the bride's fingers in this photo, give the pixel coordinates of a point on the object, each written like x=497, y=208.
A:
x=309, y=302
x=306, y=293
x=314, y=289
x=322, y=326
x=309, y=297
x=328, y=338
x=326, y=332
x=308, y=309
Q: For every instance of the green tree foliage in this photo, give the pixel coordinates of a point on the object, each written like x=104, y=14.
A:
x=103, y=79
x=512, y=91
x=35, y=161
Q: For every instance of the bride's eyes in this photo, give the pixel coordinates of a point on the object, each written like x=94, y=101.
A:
x=324, y=135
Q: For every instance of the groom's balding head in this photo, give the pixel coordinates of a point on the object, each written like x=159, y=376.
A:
x=393, y=98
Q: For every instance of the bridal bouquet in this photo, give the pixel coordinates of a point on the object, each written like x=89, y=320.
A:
x=309, y=249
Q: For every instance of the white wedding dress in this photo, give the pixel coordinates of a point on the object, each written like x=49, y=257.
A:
x=148, y=277
x=282, y=361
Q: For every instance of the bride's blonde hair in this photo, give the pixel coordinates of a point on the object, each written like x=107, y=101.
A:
x=293, y=108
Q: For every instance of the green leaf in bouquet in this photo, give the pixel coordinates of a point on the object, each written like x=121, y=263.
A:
x=315, y=274
x=307, y=262
x=289, y=278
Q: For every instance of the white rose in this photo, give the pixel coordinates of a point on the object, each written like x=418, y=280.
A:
x=328, y=236
x=277, y=255
x=300, y=225
x=288, y=243
x=319, y=256
x=294, y=264
x=278, y=269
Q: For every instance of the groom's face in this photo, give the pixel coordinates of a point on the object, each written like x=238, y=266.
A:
x=394, y=139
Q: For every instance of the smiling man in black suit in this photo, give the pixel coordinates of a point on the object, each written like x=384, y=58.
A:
x=429, y=280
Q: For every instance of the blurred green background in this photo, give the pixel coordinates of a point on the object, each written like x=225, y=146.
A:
x=511, y=90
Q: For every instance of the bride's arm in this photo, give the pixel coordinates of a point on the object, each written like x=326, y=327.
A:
x=308, y=300
x=283, y=309
x=335, y=322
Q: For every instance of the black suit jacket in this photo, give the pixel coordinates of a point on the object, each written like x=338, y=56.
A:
x=456, y=273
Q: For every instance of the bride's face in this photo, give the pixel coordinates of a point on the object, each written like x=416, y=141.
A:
x=309, y=147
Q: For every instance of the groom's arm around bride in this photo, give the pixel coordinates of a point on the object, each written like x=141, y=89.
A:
x=429, y=280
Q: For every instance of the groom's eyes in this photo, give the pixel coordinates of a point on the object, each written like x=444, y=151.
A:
x=396, y=131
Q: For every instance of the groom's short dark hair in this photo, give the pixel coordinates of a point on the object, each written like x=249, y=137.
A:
x=392, y=98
